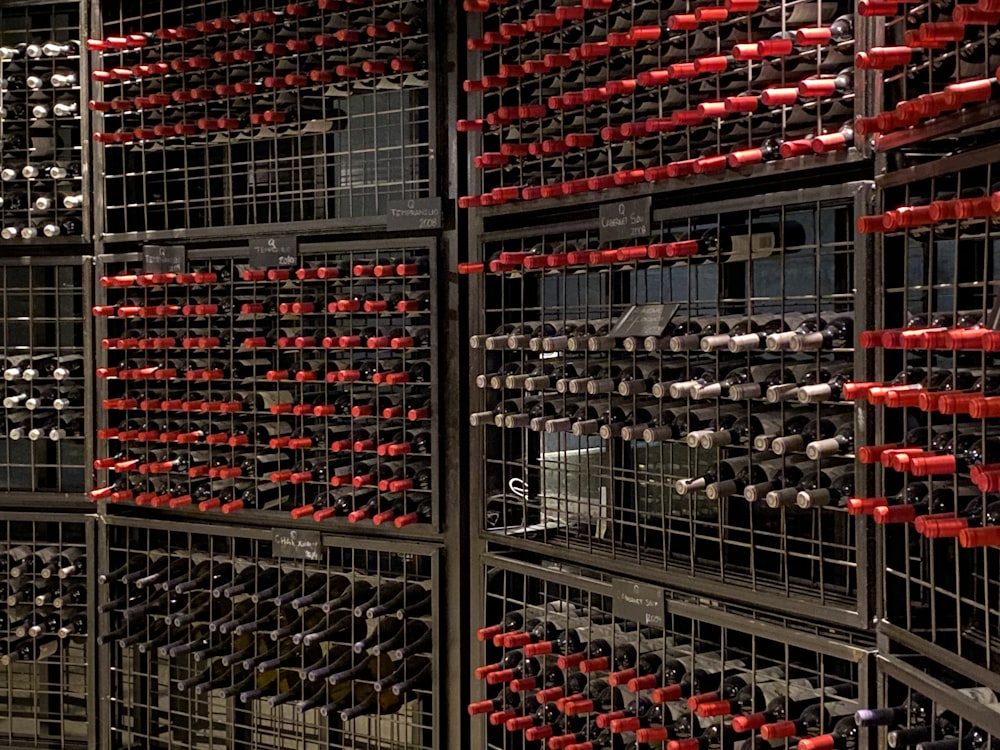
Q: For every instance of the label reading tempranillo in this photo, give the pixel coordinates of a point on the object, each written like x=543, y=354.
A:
x=414, y=214
x=163, y=258
x=274, y=252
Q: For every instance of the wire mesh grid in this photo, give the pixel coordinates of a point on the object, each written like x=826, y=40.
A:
x=319, y=404
x=938, y=253
x=926, y=701
x=604, y=451
x=42, y=448
x=934, y=61
x=48, y=668
x=192, y=682
x=687, y=651
x=43, y=197
x=584, y=98
x=219, y=113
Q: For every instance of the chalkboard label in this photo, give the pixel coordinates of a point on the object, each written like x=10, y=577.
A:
x=164, y=259
x=274, y=252
x=627, y=220
x=416, y=213
x=300, y=545
x=640, y=602
x=645, y=320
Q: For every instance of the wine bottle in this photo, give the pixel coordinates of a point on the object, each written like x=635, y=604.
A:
x=812, y=720
x=73, y=623
x=924, y=723
x=691, y=675
x=392, y=597
x=415, y=673
x=370, y=702
x=340, y=626
x=66, y=563
x=843, y=735
x=206, y=573
x=797, y=434
x=68, y=597
x=726, y=470
x=743, y=431
x=756, y=339
x=776, y=342
x=247, y=580
x=840, y=488
x=163, y=569
x=32, y=649
x=742, y=694
x=838, y=334
x=792, y=700
x=30, y=591
x=22, y=563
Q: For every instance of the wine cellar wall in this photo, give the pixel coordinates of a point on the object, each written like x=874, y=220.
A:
x=501, y=374
x=730, y=330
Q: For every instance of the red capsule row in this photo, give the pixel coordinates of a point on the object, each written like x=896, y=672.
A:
x=911, y=112
x=542, y=21
x=209, y=27
x=351, y=305
x=974, y=338
x=935, y=525
x=151, y=499
x=365, y=270
x=125, y=280
x=712, y=164
x=414, y=414
x=509, y=261
x=158, y=373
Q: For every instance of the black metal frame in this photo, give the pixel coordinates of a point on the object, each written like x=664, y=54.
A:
x=434, y=553
x=868, y=91
x=603, y=584
x=438, y=72
x=316, y=245
x=927, y=557
x=92, y=536
x=53, y=257
x=82, y=31
x=859, y=196
x=927, y=677
x=456, y=536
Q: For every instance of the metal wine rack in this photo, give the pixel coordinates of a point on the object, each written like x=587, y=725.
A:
x=381, y=424
x=51, y=702
x=263, y=116
x=933, y=73
x=44, y=299
x=936, y=257
x=143, y=705
x=35, y=135
x=668, y=624
x=930, y=691
x=654, y=95
x=583, y=495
